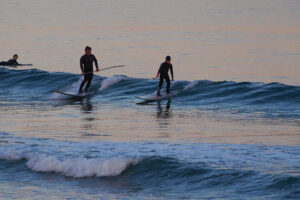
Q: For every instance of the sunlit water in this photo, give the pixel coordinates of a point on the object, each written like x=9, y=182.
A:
x=232, y=131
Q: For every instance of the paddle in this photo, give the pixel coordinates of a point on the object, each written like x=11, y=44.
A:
x=107, y=68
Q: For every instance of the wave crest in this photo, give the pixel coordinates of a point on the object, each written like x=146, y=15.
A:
x=108, y=82
x=74, y=167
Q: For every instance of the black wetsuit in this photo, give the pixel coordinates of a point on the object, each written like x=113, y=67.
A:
x=86, y=66
x=163, y=72
x=11, y=62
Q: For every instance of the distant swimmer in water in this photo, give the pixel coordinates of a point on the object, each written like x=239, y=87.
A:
x=163, y=75
x=86, y=66
x=12, y=62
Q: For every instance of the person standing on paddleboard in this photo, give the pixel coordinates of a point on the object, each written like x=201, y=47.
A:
x=163, y=74
x=86, y=66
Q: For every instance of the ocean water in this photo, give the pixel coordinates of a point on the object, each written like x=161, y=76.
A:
x=213, y=140
x=232, y=131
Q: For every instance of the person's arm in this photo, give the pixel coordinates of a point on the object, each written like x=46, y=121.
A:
x=96, y=63
x=171, y=69
x=81, y=65
x=17, y=64
x=158, y=72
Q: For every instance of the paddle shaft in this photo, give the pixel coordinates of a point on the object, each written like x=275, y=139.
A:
x=106, y=68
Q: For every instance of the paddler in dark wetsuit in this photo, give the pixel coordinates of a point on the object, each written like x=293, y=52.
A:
x=86, y=66
x=163, y=74
x=11, y=62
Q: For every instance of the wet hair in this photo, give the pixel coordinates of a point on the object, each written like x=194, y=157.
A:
x=16, y=55
x=168, y=58
x=88, y=48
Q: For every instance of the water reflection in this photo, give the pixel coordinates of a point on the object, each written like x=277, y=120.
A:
x=88, y=120
x=164, y=112
x=86, y=106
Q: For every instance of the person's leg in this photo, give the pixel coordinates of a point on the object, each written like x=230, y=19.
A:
x=161, y=81
x=89, y=80
x=168, y=83
x=82, y=84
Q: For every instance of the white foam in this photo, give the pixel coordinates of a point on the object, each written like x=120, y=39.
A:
x=190, y=85
x=74, y=167
x=72, y=89
x=11, y=154
x=106, y=83
x=80, y=167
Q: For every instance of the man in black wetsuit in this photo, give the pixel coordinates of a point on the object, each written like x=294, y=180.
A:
x=163, y=74
x=11, y=62
x=86, y=66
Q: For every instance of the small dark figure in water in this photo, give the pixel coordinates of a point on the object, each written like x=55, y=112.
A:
x=11, y=62
x=86, y=66
x=163, y=74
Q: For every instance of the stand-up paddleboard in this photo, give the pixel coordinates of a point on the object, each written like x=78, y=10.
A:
x=154, y=97
x=71, y=96
x=15, y=66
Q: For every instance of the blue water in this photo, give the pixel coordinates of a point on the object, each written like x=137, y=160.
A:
x=43, y=165
x=37, y=85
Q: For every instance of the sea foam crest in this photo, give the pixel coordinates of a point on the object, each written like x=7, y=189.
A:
x=11, y=154
x=190, y=85
x=106, y=83
x=73, y=88
x=74, y=167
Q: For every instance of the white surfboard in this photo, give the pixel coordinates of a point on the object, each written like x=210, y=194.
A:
x=154, y=97
x=72, y=96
